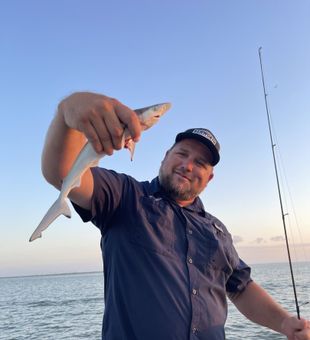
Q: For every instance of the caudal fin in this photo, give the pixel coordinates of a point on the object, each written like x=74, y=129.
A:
x=60, y=207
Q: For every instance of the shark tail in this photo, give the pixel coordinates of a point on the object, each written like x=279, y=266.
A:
x=60, y=207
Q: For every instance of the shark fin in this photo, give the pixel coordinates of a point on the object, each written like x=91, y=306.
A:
x=76, y=183
x=60, y=207
x=94, y=163
x=130, y=145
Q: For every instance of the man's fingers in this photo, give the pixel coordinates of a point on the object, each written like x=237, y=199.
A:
x=296, y=329
x=101, y=119
x=91, y=135
x=300, y=323
x=105, y=131
x=103, y=137
x=114, y=126
x=303, y=332
x=130, y=119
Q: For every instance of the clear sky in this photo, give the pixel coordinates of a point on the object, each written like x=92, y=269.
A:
x=202, y=56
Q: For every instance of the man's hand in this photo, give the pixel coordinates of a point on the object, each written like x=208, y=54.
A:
x=296, y=329
x=258, y=306
x=100, y=118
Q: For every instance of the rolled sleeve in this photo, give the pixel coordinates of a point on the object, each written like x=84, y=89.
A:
x=239, y=279
x=106, y=198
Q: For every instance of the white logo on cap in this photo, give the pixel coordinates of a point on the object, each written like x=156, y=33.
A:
x=206, y=134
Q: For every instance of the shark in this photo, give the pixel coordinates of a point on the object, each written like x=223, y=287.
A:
x=87, y=158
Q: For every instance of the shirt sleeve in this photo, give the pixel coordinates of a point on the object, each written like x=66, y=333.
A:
x=239, y=279
x=240, y=276
x=106, y=199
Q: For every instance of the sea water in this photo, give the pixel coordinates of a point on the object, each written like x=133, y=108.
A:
x=70, y=306
x=275, y=278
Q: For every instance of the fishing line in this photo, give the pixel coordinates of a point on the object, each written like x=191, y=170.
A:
x=288, y=203
x=304, y=298
x=292, y=205
x=298, y=248
x=273, y=145
x=283, y=178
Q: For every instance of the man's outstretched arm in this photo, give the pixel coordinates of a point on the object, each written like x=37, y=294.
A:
x=258, y=306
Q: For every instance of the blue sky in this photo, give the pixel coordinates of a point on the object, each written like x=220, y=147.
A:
x=202, y=56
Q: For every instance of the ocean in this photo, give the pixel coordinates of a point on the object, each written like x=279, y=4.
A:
x=70, y=306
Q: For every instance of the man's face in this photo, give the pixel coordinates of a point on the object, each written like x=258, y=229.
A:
x=186, y=170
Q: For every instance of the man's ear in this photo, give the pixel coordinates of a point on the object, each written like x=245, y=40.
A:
x=166, y=154
x=211, y=176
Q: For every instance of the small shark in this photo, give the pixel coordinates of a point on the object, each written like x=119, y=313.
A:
x=87, y=158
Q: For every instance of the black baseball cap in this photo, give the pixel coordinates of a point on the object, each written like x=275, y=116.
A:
x=205, y=137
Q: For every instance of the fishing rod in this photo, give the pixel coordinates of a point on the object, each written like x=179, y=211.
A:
x=278, y=184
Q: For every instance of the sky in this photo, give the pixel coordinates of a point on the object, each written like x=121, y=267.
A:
x=202, y=56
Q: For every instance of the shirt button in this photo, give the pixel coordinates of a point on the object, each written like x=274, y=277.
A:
x=190, y=260
x=190, y=231
x=194, y=291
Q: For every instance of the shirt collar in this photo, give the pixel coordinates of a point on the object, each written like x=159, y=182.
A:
x=157, y=191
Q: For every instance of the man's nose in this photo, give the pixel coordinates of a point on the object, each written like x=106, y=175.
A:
x=188, y=164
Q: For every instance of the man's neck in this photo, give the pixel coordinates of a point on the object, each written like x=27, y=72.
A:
x=183, y=203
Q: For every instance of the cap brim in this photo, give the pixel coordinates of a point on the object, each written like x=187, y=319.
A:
x=204, y=141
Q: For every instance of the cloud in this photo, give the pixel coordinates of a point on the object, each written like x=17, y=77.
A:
x=277, y=238
x=259, y=240
x=237, y=239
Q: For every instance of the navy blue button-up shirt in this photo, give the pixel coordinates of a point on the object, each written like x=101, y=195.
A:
x=167, y=268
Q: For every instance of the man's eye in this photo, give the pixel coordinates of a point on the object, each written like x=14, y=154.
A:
x=181, y=153
x=201, y=163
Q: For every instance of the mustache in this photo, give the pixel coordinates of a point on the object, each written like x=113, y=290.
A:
x=183, y=173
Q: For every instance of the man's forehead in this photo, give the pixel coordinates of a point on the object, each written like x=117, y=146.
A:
x=194, y=146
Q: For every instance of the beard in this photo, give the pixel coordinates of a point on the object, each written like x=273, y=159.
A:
x=175, y=190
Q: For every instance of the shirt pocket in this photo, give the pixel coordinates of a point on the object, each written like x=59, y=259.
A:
x=151, y=228
x=217, y=260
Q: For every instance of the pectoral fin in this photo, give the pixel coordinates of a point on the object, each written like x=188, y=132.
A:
x=130, y=145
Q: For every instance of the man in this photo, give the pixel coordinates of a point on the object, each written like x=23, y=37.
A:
x=168, y=263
